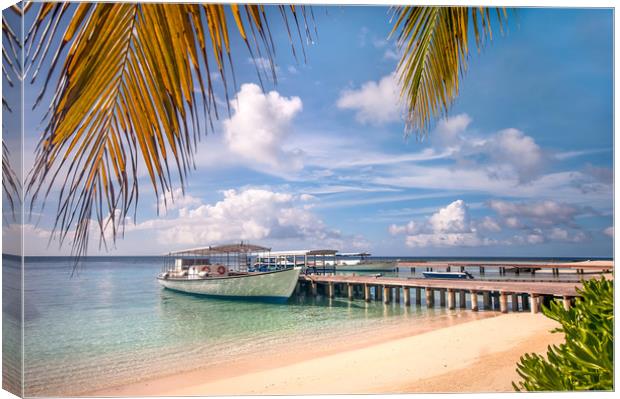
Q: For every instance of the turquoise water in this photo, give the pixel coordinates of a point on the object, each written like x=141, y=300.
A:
x=113, y=325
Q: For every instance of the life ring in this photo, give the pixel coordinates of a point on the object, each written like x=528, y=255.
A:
x=206, y=269
x=221, y=270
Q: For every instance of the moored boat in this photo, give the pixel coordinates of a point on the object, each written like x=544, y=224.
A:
x=226, y=271
x=361, y=261
x=448, y=275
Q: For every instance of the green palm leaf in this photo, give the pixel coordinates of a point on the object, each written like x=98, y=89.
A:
x=434, y=42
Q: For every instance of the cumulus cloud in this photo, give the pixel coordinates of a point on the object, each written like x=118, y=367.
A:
x=536, y=213
x=453, y=226
x=374, y=103
x=506, y=154
x=450, y=226
x=176, y=199
x=259, y=124
x=248, y=214
x=609, y=231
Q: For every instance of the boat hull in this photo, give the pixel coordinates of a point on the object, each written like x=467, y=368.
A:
x=277, y=285
x=446, y=275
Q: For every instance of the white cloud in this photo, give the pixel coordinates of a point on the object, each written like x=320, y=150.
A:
x=609, y=231
x=259, y=124
x=516, y=151
x=391, y=54
x=454, y=218
x=375, y=103
x=264, y=65
x=249, y=214
x=292, y=70
x=489, y=224
x=450, y=226
x=505, y=155
x=175, y=199
x=536, y=213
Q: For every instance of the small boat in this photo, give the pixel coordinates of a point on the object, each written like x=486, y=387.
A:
x=360, y=261
x=448, y=275
x=226, y=271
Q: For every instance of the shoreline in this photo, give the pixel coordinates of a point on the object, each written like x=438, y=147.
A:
x=440, y=356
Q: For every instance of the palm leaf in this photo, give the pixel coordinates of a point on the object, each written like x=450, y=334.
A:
x=12, y=71
x=434, y=42
x=134, y=91
x=10, y=182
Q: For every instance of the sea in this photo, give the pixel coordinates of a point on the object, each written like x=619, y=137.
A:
x=112, y=324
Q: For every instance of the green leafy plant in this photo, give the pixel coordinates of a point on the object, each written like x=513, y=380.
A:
x=585, y=360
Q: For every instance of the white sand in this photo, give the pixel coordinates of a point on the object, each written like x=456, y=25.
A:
x=475, y=356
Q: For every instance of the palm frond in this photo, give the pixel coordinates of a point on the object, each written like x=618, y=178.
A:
x=11, y=185
x=434, y=42
x=134, y=91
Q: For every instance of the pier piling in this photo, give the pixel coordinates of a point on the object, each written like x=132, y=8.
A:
x=442, y=297
x=534, y=303
x=397, y=295
x=366, y=293
x=503, y=302
x=314, y=288
x=566, y=300
x=350, y=291
x=474, y=301
x=407, y=295
x=418, y=296
x=386, y=294
x=451, y=299
x=330, y=290
x=429, y=297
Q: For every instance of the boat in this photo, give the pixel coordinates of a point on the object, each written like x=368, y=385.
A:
x=360, y=261
x=312, y=261
x=226, y=271
x=448, y=275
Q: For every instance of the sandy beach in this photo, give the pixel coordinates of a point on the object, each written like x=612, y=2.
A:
x=475, y=354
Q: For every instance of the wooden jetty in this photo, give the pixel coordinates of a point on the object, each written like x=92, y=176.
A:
x=596, y=266
x=493, y=295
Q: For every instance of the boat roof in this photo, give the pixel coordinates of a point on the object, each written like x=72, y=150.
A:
x=303, y=252
x=241, y=247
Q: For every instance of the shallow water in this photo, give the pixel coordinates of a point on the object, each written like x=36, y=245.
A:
x=113, y=324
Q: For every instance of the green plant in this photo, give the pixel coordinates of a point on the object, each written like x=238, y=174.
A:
x=585, y=360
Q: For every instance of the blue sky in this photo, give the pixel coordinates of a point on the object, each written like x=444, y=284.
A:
x=521, y=166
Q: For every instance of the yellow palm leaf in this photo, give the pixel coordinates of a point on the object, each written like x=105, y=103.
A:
x=126, y=98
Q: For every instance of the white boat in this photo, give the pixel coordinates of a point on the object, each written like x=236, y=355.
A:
x=359, y=261
x=224, y=271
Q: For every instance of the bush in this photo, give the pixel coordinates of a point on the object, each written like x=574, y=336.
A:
x=585, y=360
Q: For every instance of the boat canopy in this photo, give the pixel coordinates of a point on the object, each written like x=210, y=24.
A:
x=221, y=249
x=304, y=252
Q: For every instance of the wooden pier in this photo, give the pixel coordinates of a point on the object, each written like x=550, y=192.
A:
x=597, y=266
x=492, y=295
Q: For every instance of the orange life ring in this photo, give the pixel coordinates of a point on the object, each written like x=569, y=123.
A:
x=206, y=269
x=221, y=270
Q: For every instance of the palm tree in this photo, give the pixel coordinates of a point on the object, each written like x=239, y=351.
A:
x=135, y=79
